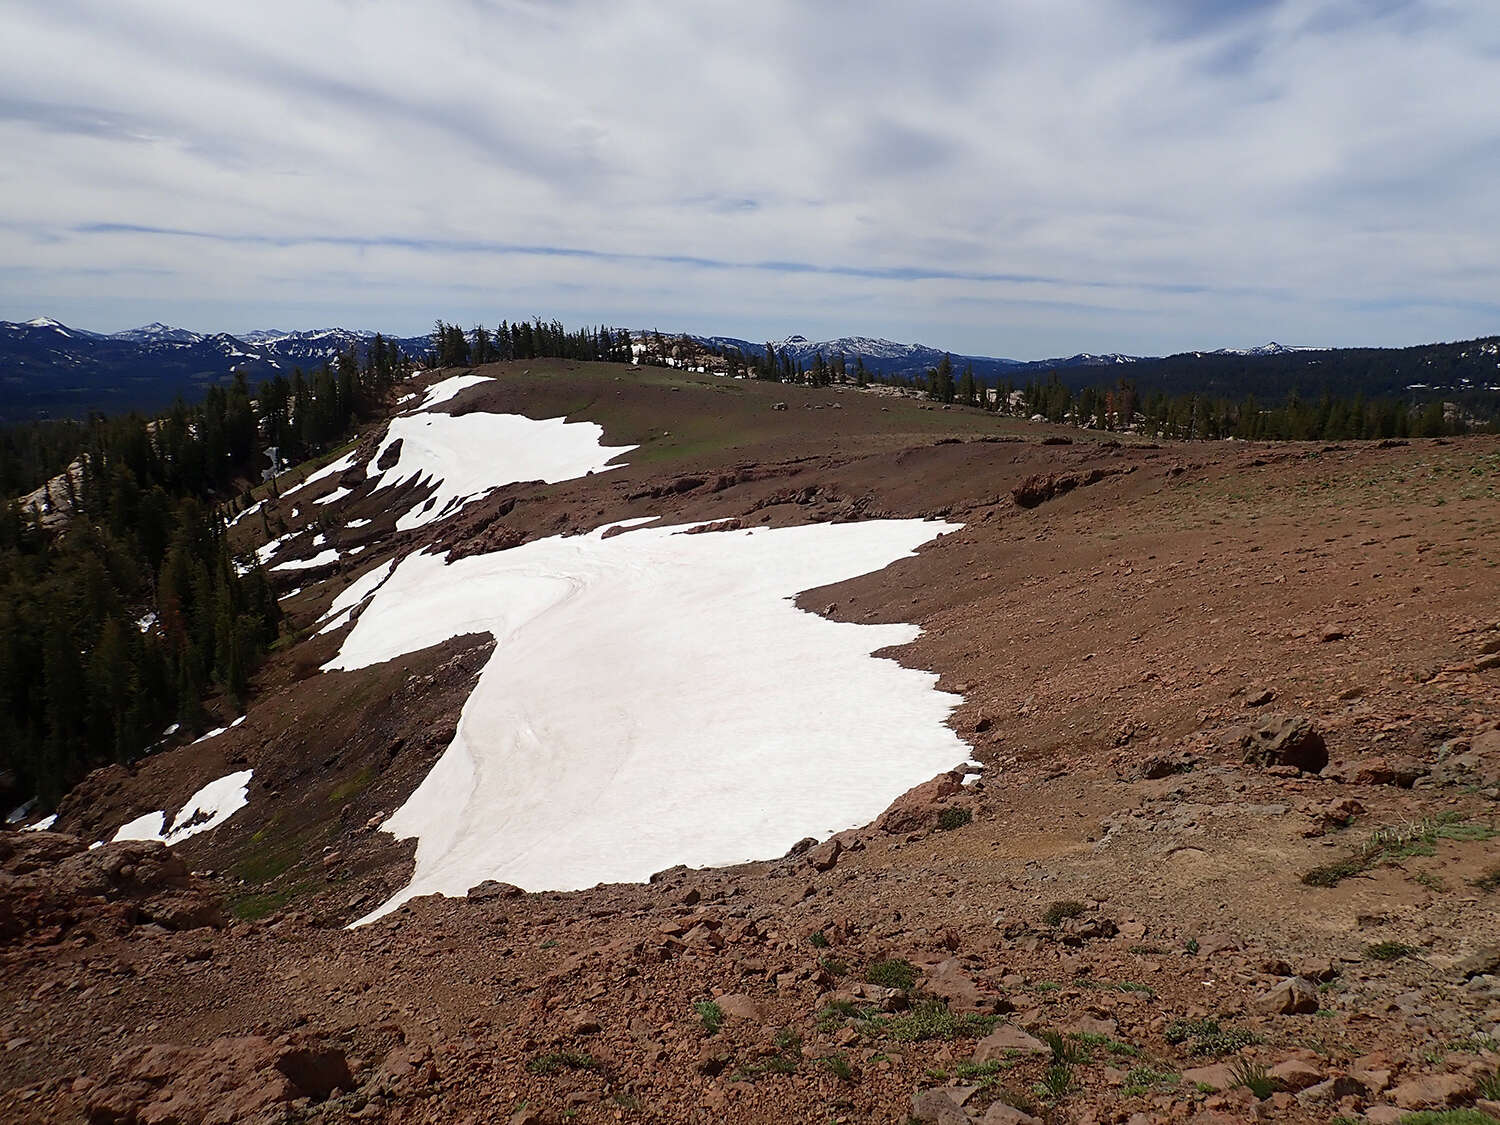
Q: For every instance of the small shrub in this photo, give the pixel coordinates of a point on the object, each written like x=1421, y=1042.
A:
x=556, y=1062
x=1059, y=912
x=1206, y=1037
x=819, y=940
x=1254, y=1077
x=1144, y=1079
x=893, y=973
x=1389, y=951
x=952, y=818
x=711, y=1014
x=834, y=966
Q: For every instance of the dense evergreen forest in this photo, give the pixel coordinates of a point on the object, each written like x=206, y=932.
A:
x=539, y=339
x=121, y=607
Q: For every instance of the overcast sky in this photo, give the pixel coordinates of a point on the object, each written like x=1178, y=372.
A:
x=1023, y=178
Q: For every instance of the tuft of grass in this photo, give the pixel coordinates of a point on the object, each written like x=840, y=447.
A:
x=1065, y=1051
x=787, y=1039
x=838, y=1066
x=1490, y=880
x=1448, y=1117
x=893, y=973
x=711, y=1014
x=818, y=940
x=952, y=818
x=834, y=966
x=933, y=1020
x=1059, y=912
x=555, y=1062
x=1058, y=1079
x=1254, y=1077
x=1208, y=1037
x=1489, y=1087
x=1389, y=951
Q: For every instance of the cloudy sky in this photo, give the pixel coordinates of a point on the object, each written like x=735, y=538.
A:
x=1022, y=178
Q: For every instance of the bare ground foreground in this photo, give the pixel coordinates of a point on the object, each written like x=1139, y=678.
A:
x=1233, y=855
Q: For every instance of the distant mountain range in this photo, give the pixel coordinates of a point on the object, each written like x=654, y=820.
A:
x=48, y=369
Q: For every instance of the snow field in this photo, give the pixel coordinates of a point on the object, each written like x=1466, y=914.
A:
x=467, y=456
x=215, y=803
x=654, y=699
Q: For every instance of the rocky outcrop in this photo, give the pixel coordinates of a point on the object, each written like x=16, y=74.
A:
x=51, y=882
x=231, y=1080
x=922, y=808
x=1284, y=740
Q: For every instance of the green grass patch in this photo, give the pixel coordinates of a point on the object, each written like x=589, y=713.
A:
x=933, y=1020
x=254, y=907
x=352, y=786
x=893, y=973
x=711, y=1015
x=838, y=1066
x=1448, y=1117
x=949, y=819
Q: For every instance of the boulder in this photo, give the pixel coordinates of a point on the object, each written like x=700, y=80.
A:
x=941, y=1105
x=1400, y=772
x=1284, y=740
x=1480, y=963
x=825, y=855
x=1434, y=1091
x=738, y=1006
x=1007, y=1040
x=1294, y=996
x=1296, y=1074
x=921, y=807
x=1001, y=1114
x=1217, y=1076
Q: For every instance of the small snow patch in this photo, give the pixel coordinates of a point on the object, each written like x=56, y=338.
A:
x=208, y=808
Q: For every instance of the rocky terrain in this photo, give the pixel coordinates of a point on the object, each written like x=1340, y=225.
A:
x=1234, y=853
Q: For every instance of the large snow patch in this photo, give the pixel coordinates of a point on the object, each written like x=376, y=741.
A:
x=208, y=808
x=466, y=456
x=655, y=698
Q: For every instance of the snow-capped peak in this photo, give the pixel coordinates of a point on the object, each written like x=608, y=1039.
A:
x=158, y=333
x=43, y=322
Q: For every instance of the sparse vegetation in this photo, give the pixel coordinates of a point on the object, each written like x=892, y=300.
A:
x=952, y=818
x=838, y=1066
x=1395, y=843
x=933, y=1020
x=1208, y=1037
x=818, y=939
x=1060, y=912
x=555, y=1062
x=1143, y=1079
x=1253, y=1076
x=892, y=973
x=1448, y=1117
x=711, y=1015
x=1389, y=951
x=1490, y=880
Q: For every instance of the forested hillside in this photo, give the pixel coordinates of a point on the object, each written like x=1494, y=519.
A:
x=120, y=613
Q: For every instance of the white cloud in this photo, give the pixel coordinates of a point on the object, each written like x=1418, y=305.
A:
x=1027, y=180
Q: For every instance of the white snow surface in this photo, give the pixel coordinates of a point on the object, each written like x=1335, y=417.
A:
x=42, y=825
x=337, y=494
x=465, y=457
x=653, y=699
x=322, y=558
x=331, y=469
x=359, y=523
x=208, y=808
x=449, y=389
